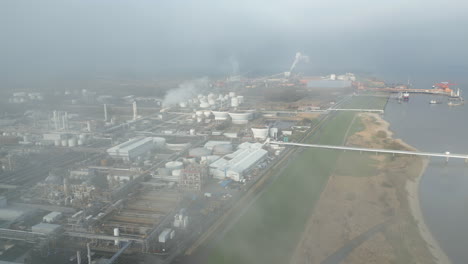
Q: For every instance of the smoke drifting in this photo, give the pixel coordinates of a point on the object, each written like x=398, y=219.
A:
x=185, y=91
x=299, y=57
x=234, y=65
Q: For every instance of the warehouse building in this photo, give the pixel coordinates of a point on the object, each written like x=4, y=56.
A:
x=131, y=149
x=236, y=165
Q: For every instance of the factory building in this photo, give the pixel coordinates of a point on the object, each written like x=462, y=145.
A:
x=239, y=163
x=131, y=149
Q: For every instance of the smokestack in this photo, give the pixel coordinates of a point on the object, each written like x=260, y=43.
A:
x=89, y=253
x=56, y=120
x=135, y=110
x=66, y=121
x=78, y=257
x=105, y=113
x=63, y=122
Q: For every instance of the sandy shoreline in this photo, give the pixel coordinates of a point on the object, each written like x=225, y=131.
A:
x=412, y=188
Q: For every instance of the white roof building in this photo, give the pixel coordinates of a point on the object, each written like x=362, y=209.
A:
x=235, y=165
x=131, y=149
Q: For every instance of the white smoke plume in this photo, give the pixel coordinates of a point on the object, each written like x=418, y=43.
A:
x=185, y=91
x=299, y=57
x=234, y=65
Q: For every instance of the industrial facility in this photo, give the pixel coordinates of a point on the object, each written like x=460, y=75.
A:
x=99, y=177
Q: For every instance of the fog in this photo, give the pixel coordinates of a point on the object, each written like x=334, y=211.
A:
x=47, y=40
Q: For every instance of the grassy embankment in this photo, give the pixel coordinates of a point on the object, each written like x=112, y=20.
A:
x=270, y=229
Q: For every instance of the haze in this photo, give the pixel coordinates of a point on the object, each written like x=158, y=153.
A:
x=43, y=40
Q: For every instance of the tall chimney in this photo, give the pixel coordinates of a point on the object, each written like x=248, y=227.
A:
x=78, y=257
x=56, y=120
x=105, y=113
x=89, y=253
x=135, y=110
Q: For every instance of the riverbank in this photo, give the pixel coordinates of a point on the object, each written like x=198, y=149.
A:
x=367, y=191
x=412, y=188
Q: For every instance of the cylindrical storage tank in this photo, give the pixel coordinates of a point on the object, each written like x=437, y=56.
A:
x=204, y=105
x=219, y=115
x=57, y=142
x=260, y=132
x=199, y=152
x=192, y=132
x=222, y=149
x=234, y=102
x=232, y=94
x=64, y=142
x=240, y=118
x=72, y=142
x=199, y=113
x=80, y=142
x=174, y=165
x=116, y=232
x=159, y=142
x=176, y=173
x=273, y=132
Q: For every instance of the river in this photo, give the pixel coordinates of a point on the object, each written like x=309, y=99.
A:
x=443, y=189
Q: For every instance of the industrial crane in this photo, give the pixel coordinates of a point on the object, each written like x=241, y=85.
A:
x=443, y=85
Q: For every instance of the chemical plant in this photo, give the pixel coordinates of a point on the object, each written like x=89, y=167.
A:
x=91, y=178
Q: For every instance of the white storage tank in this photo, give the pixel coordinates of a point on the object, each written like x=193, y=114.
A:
x=72, y=142
x=116, y=232
x=176, y=173
x=240, y=118
x=174, y=165
x=260, y=132
x=192, y=132
x=220, y=115
x=64, y=142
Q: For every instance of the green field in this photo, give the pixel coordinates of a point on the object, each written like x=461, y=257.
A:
x=366, y=102
x=270, y=229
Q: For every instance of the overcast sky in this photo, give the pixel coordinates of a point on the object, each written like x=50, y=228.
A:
x=90, y=37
